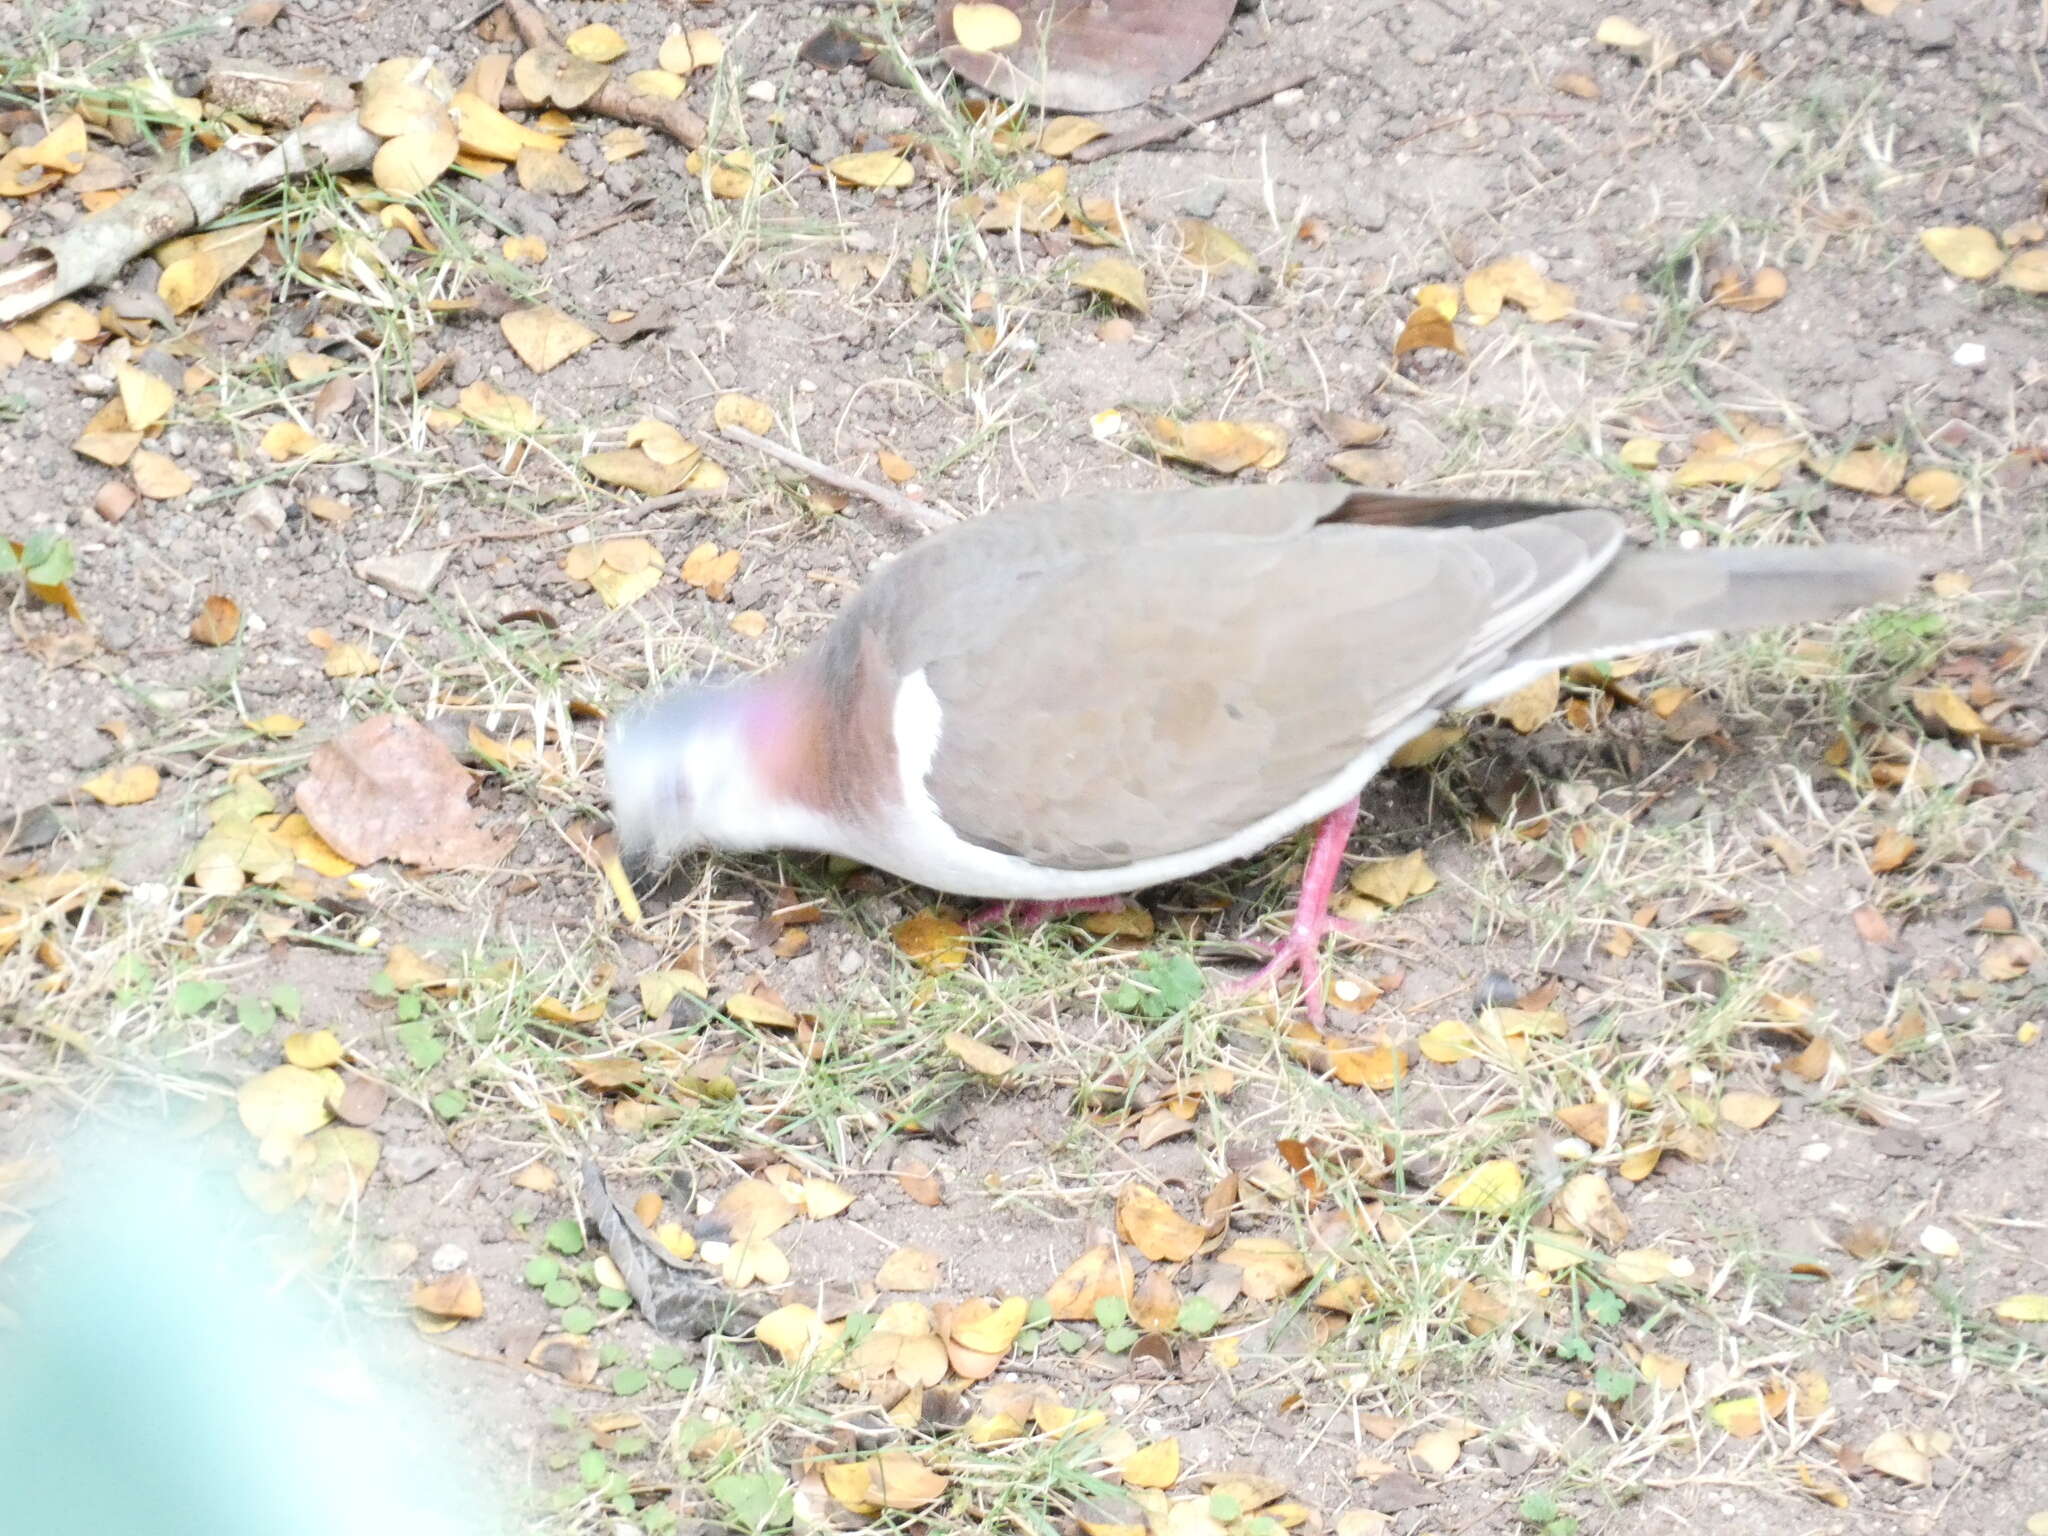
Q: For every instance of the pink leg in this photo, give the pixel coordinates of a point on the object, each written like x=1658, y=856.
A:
x=1029, y=914
x=1301, y=950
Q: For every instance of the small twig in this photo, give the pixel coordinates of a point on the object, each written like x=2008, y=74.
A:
x=613, y=99
x=1221, y=106
x=913, y=514
x=639, y=208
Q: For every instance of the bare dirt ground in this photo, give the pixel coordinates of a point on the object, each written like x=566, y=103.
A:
x=1745, y=939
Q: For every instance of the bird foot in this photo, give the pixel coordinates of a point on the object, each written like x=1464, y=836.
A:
x=1302, y=952
x=1029, y=914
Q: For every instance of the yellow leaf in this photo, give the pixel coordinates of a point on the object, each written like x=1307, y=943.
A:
x=550, y=172
x=749, y=1009
x=1225, y=447
x=682, y=52
x=456, y=1296
x=348, y=659
x=1156, y=1229
x=1203, y=245
x=706, y=568
x=660, y=989
x=1873, y=471
x=2027, y=1307
x=1491, y=1189
x=313, y=1049
x=596, y=42
x=908, y=1269
x=1428, y=329
x=1965, y=250
x=1716, y=944
x=1394, y=882
x=276, y=725
x=874, y=168
x=158, y=476
x=1531, y=704
x=496, y=410
x=1620, y=32
x=984, y=27
x=1641, y=452
x=1114, y=278
x=1272, y=1266
x=745, y=412
x=132, y=784
x=733, y=176
x=978, y=1056
x=1425, y=749
x=524, y=250
x=1646, y=1266
x=544, y=337
x=1515, y=281
x=1448, y=1042
x=1907, y=1455
x=1098, y=1273
x=793, y=1331
x=1742, y=1417
x=284, y=1105
x=1748, y=1110
x=1154, y=1466
x=1061, y=136
x=1935, y=489
x=287, y=440
x=309, y=847
x=145, y=398
x=2028, y=270
x=658, y=83
x=409, y=164
x=989, y=1330
x=483, y=130
x=634, y=469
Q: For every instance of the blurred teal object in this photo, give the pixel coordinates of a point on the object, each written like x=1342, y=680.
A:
x=162, y=1381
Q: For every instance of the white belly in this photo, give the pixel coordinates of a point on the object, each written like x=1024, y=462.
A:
x=920, y=846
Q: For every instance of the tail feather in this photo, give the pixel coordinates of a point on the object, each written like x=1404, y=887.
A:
x=1648, y=598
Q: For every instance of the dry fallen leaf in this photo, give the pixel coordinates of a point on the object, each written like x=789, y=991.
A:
x=131, y=784
x=1115, y=278
x=1965, y=250
x=218, y=622
x=1748, y=1110
x=1935, y=489
x=1492, y=1188
x=458, y=1296
x=544, y=337
x=1154, y=1228
x=1515, y=281
x=621, y=571
x=875, y=168
x=388, y=788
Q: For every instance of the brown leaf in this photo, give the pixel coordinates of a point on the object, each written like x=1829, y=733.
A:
x=1154, y=1228
x=388, y=788
x=457, y=1296
x=1081, y=56
x=219, y=621
x=1098, y=1273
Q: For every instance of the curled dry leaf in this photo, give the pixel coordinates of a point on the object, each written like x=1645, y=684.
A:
x=1225, y=447
x=1394, y=882
x=388, y=788
x=456, y=1296
x=1154, y=1228
x=1115, y=278
x=1099, y=1273
x=1428, y=329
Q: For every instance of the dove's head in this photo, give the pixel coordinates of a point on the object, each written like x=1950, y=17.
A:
x=698, y=767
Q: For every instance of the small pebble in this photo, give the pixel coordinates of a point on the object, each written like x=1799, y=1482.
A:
x=448, y=1258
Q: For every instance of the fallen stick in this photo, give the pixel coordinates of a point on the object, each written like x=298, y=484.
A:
x=1173, y=128
x=613, y=99
x=95, y=249
x=913, y=514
